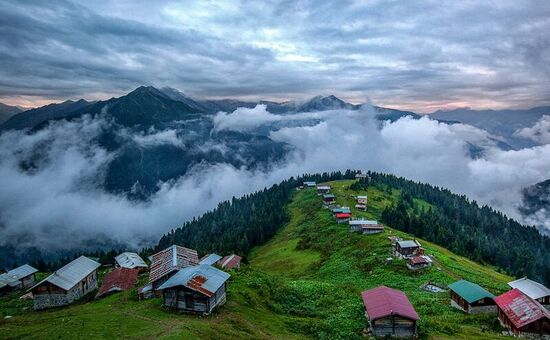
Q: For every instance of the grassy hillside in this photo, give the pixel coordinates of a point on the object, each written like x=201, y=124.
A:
x=303, y=283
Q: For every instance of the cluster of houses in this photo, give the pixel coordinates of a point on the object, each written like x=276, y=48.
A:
x=412, y=251
x=176, y=273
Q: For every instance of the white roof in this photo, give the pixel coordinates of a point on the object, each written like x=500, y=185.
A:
x=13, y=276
x=363, y=196
x=363, y=222
x=130, y=260
x=72, y=273
x=530, y=288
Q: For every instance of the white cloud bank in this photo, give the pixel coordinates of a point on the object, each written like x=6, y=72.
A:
x=56, y=202
x=539, y=133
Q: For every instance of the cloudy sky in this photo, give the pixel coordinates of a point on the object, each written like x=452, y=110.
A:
x=420, y=55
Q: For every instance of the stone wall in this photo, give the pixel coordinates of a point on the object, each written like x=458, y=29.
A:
x=42, y=301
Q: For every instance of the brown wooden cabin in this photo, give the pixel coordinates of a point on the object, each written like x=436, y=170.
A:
x=389, y=313
x=408, y=248
x=167, y=262
x=67, y=284
x=22, y=277
x=418, y=262
x=471, y=298
x=522, y=315
x=199, y=289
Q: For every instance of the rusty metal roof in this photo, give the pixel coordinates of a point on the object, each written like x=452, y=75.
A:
x=13, y=276
x=230, y=261
x=171, y=259
x=520, y=308
x=72, y=273
x=130, y=260
x=203, y=278
x=118, y=280
x=383, y=301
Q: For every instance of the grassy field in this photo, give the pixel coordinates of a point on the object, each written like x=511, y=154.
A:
x=304, y=283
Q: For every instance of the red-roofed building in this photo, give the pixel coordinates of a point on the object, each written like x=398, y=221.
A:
x=342, y=217
x=230, y=262
x=389, y=312
x=418, y=262
x=522, y=315
x=167, y=262
x=118, y=280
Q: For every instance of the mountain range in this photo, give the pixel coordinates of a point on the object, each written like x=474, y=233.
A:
x=7, y=111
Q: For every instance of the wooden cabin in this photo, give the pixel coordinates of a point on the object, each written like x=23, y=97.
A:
x=118, y=280
x=344, y=210
x=362, y=200
x=22, y=277
x=419, y=262
x=471, y=298
x=534, y=290
x=323, y=189
x=310, y=184
x=67, y=284
x=230, y=262
x=360, y=176
x=522, y=315
x=198, y=289
x=366, y=227
x=329, y=199
x=389, y=313
x=342, y=217
x=407, y=249
x=167, y=262
x=131, y=261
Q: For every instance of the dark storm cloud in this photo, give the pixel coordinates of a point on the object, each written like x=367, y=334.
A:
x=414, y=53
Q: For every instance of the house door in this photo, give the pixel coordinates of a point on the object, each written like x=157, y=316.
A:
x=189, y=301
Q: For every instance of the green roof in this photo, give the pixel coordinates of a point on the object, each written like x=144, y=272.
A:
x=469, y=291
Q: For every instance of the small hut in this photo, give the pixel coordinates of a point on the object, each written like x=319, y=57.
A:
x=230, y=262
x=533, y=289
x=471, y=298
x=344, y=210
x=522, y=315
x=329, y=199
x=389, y=312
x=323, y=189
x=22, y=277
x=367, y=227
x=342, y=217
x=407, y=249
x=119, y=280
x=309, y=184
x=131, y=261
x=198, y=289
x=419, y=262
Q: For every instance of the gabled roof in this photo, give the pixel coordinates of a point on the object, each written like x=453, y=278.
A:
x=520, y=308
x=418, y=260
x=408, y=244
x=343, y=215
x=171, y=259
x=118, y=280
x=72, y=273
x=130, y=260
x=341, y=210
x=383, y=301
x=210, y=259
x=230, y=261
x=328, y=196
x=531, y=288
x=469, y=291
x=13, y=276
x=363, y=222
x=203, y=278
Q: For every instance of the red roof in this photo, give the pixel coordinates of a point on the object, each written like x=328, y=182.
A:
x=383, y=301
x=171, y=259
x=118, y=280
x=521, y=309
x=230, y=261
x=343, y=215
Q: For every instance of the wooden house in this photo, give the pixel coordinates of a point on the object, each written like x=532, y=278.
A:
x=131, y=261
x=533, y=289
x=310, y=184
x=22, y=277
x=407, y=249
x=344, y=210
x=230, y=262
x=389, y=313
x=471, y=298
x=522, y=315
x=419, y=262
x=329, y=199
x=167, y=262
x=366, y=226
x=360, y=175
x=67, y=284
x=118, y=280
x=323, y=189
x=342, y=217
x=362, y=200
x=198, y=289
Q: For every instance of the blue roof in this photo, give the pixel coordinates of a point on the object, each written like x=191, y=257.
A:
x=210, y=259
x=188, y=277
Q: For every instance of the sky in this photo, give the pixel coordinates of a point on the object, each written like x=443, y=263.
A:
x=417, y=55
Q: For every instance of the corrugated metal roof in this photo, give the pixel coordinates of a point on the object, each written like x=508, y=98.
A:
x=383, y=301
x=530, y=288
x=469, y=291
x=343, y=215
x=72, y=273
x=418, y=260
x=520, y=308
x=363, y=222
x=328, y=196
x=341, y=210
x=362, y=197
x=171, y=259
x=118, y=280
x=323, y=187
x=408, y=244
x=130, y=260
x=13, y=276
x=230, y=261
x=210, y=259
x=202, y=278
